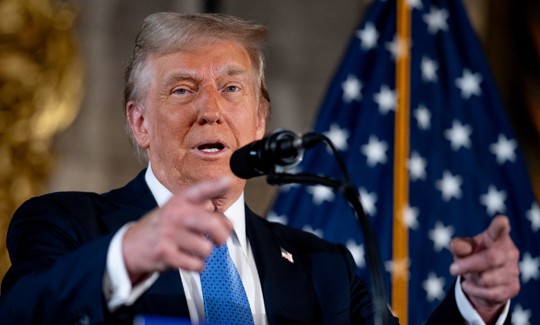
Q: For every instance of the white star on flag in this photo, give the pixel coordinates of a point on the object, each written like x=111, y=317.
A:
x=415, y=4
x=321, y=193
x=386, y=99
x=410, y=217
x=534, y=217
x=274, y=217
x=469, y=84
x=521, y=316
x=368, y=201
x=288, y=187
x=529, y=267
x=352, y=88
x=368, y=36
x=441, y=236
x=504, y=149
x=423, y=117
x=375, y=151
x=436, y=20
x=429, y=69
x=397, y=47
x=338, y=136
x=317, y=232
x=450, y=186
x=434, y=287
x=400, y=268
x=417, y=166
x=459, y=135
x=493, y=200
x=357, y=252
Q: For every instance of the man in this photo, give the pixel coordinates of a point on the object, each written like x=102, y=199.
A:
x=195, y=92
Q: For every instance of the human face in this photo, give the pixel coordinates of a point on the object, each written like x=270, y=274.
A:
x=201, y=105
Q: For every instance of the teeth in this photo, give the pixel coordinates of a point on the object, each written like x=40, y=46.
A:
x=210, y=150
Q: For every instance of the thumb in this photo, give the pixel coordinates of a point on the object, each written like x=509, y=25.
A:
x=462, y=246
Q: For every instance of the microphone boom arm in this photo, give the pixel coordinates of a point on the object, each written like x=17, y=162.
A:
x=349, y=191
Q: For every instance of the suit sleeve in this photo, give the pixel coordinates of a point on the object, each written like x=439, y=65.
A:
x=447, y=312
x=56, y=275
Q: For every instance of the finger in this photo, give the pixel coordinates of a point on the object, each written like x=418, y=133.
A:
x=491, y=295
x=479, y=262
x=494, y=278
x=194, y=244
x=202, y=192
x=190, y=263
x=499, y=227
x=499, y=258
x=491, y=249
x=179, y=259
x=462, y=247
x=214, y=226
x=143, y=258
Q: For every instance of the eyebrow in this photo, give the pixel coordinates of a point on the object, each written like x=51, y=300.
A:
x=178, y=76
x=235, y=70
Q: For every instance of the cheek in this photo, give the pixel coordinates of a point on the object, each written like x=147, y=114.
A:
x=247, y=127
x=168, y=129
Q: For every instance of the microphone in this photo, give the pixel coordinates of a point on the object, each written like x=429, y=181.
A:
x=282, y=148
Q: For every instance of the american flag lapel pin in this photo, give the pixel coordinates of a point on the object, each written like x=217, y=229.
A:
x=286, y=255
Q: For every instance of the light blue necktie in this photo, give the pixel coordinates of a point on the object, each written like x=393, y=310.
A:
x=225, y=300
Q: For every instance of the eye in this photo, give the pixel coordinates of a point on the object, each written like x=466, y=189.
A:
x=232, y=89
x=180, y=91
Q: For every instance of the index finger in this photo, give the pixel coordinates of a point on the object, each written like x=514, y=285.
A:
x=202, y=192
x=499, y=227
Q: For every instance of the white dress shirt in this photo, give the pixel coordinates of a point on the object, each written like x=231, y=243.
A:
x=469, y=313
x=119, y=291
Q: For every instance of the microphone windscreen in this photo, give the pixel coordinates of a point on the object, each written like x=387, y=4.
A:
x=242, y=165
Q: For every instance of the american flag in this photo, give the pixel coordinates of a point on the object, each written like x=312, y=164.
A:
x=464, y=163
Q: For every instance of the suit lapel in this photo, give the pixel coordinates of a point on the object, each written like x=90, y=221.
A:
x=132, y=202
x=286, y=284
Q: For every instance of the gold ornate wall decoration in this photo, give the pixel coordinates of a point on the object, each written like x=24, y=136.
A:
x=40, y=91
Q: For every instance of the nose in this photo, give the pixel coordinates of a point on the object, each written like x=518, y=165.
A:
x=209, y=112
x=210, y=117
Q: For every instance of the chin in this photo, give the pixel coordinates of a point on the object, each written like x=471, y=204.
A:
x=211, y=172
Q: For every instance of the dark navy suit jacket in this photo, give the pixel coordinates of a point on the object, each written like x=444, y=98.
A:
x=58, y=246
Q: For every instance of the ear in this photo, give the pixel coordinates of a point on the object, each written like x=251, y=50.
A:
x=136, y=117
x=261, y=119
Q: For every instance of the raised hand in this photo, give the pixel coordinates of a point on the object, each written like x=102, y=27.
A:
x=178, y=235
x=488, y=264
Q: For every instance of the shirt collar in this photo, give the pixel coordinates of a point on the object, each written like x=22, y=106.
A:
x=235, y=213
x=160, y=192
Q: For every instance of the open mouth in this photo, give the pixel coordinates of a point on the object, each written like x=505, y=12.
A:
x=211, y=147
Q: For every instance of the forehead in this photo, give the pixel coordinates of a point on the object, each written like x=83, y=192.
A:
x=214, y=57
